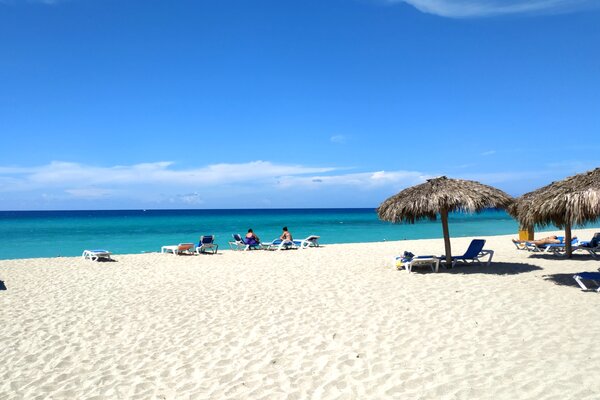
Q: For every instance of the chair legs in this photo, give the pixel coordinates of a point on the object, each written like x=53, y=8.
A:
x=579, y=281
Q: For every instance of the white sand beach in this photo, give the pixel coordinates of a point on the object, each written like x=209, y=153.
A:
x=336, y=322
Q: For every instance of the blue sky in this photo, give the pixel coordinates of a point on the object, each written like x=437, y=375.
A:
x=250, y=104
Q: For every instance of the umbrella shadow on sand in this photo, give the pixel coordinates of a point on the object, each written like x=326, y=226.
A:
x=496, y=268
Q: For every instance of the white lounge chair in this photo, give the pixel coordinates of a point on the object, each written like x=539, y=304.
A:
x=181, y=248
x=417, y=261
x=591, y=276
x=520, y=245
x=239, y=244
x=311, y=241
x=95, y=255
x=279, y=244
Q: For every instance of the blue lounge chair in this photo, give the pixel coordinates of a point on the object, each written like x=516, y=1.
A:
x=207, y=243
x=239, y=243
x=545, y=248
x=473, y=254
x=590, y=276
x=592, y=247
x=560, y=248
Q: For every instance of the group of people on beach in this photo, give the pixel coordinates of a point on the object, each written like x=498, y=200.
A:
x=252, y=239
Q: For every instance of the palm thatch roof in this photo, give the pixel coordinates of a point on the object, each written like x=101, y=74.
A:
x=441, y=196
x=427, y=200
x=572, y=201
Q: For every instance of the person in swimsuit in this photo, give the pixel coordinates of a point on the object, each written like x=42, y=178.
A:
x=251, y=238
x=286, y=235
x=540, y=242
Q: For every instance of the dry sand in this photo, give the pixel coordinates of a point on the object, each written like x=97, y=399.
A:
x=329, y=323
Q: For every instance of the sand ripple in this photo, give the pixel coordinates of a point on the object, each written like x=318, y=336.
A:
x=329, y=323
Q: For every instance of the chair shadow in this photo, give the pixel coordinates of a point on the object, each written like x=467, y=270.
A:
x=104, y=259
x=2, y=286
x=562, y=280
x=575, y=257
x=495, y=268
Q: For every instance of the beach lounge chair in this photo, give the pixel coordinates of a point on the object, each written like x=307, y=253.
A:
x=206, y=244
x=238, y=243
x=181, y=248
x=473, y=254
x=520, y=245
x=279, y=244
x=311, y=241
x=592, y=247
x=557, y=248
x=590, y=276
x=417, y=261
x=96, y=255
x=544, y=248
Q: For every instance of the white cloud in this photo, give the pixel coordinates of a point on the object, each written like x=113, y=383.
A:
x=362, y=180
x=46, y=2
x=484, y=8
x=89, y=193
x=339, y=139
x=68, y=185
x=70, y=175
x=488, y=153
x=188, y=198
x=159, y=183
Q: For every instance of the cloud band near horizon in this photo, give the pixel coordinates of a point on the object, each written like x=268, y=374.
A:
x=489, y=8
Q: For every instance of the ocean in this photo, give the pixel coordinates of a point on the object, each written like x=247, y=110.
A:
x=29, y=234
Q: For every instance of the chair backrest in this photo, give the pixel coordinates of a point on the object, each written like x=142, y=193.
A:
x=209, y=239
x=312, y=238
x=237, y=237
x=595, y=242
x=474, y=248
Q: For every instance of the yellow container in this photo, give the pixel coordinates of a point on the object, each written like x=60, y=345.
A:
x=525, y=233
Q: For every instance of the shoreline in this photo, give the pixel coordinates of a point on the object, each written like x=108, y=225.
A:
x=538, y=234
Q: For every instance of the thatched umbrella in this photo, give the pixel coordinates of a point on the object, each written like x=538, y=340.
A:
x=572, y=201
x=441, y=196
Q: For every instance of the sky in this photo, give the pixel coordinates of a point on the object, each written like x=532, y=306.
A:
x=155, y=104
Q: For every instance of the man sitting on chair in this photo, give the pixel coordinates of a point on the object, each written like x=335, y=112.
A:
x=286, y=235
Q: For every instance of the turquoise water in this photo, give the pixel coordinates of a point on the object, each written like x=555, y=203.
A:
x=27, y=234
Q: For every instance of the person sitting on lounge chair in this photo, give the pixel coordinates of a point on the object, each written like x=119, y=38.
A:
x=286, y=235
x=540, y=242
x=251, y=238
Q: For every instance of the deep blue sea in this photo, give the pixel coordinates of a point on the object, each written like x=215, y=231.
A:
x=27, y=234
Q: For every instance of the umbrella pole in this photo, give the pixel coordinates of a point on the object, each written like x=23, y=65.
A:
x=444, y=215
x=568, y=248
